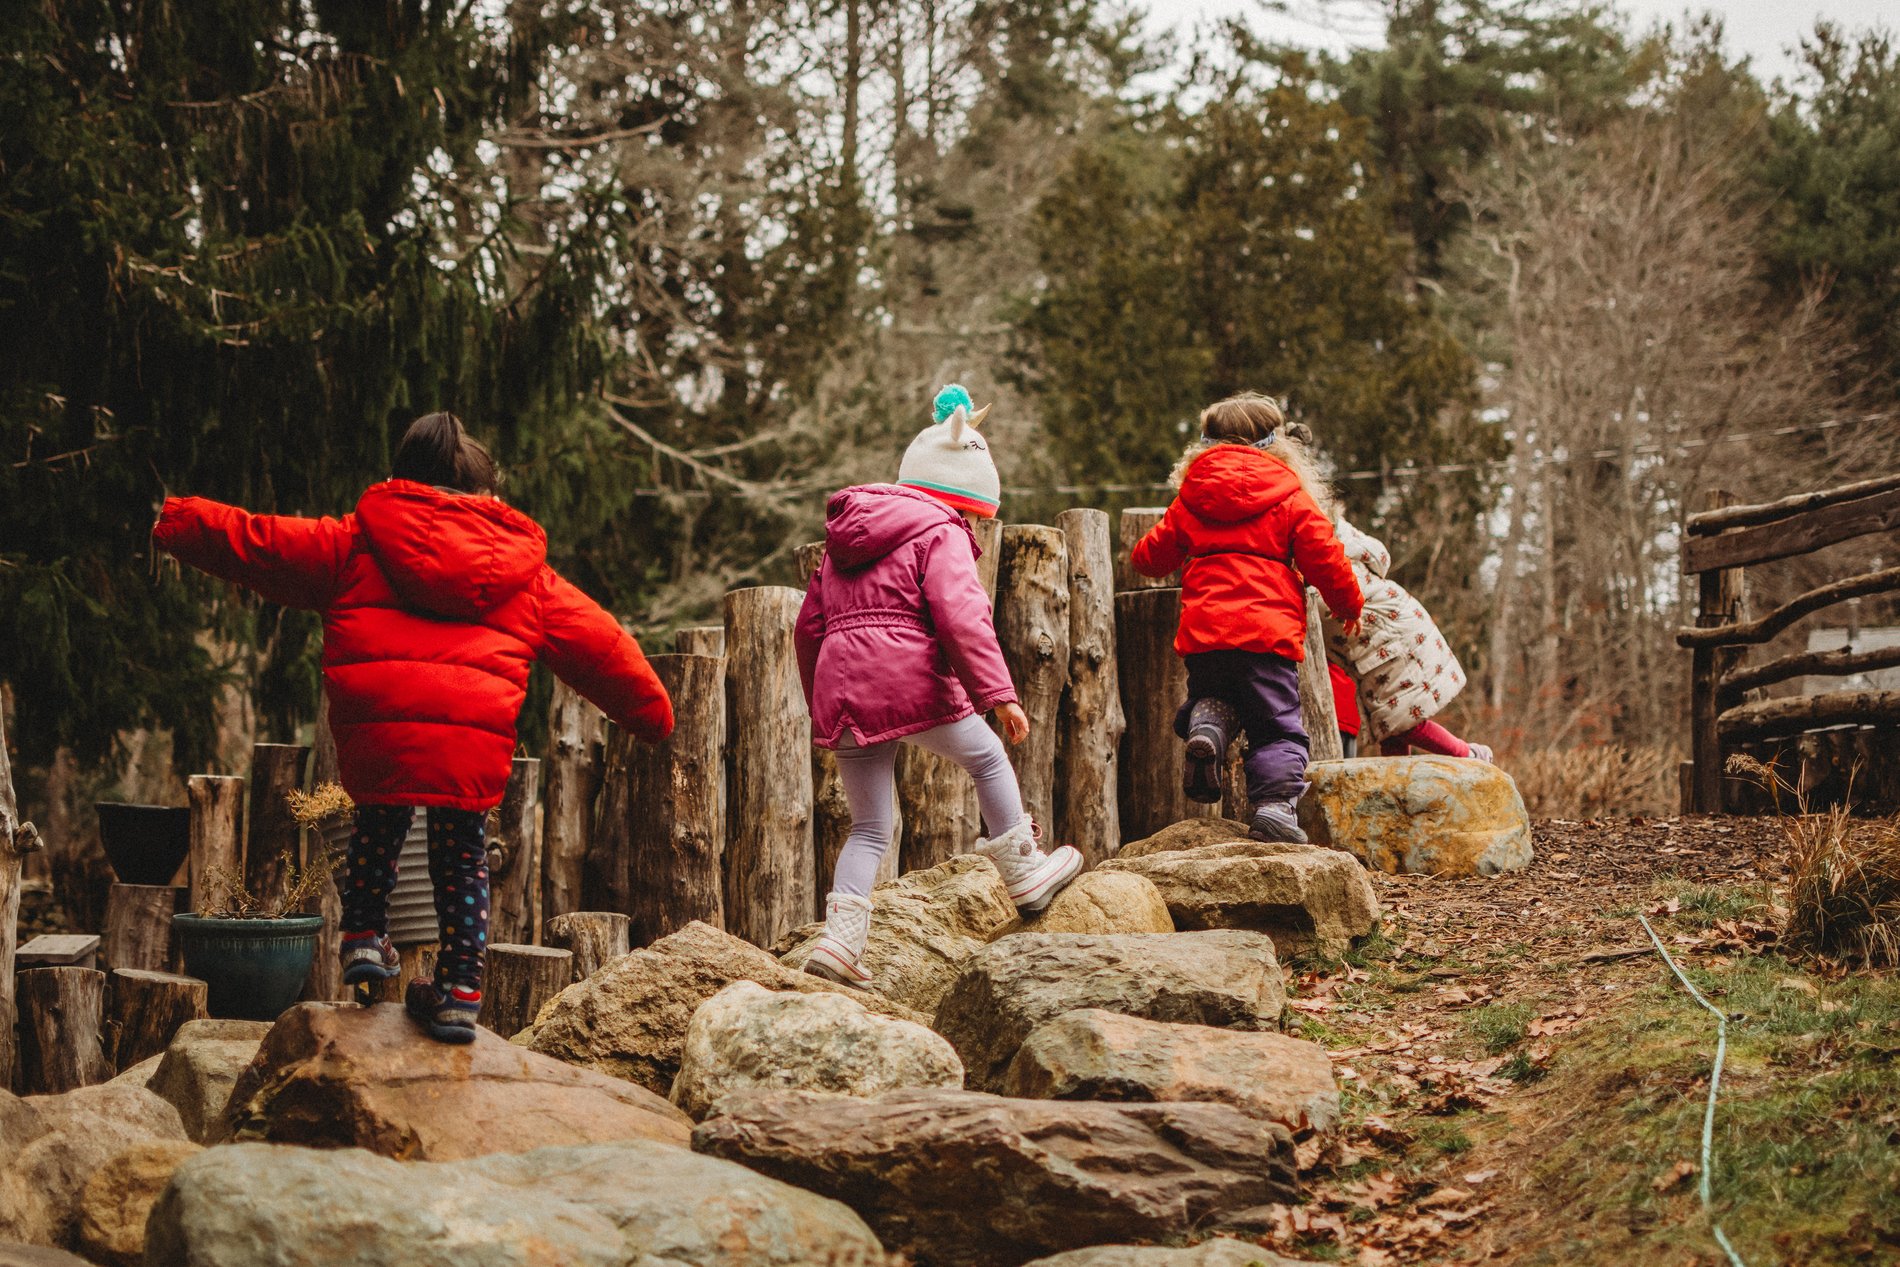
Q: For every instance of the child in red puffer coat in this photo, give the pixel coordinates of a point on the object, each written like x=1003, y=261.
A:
x=436, y=598
x=1251, y=532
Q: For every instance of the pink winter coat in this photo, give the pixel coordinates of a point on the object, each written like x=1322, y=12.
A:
x=895, y=636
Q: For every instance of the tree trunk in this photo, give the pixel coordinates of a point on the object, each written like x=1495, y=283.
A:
x=1154, y=686
x=592, y=937
x=148, y=1008
x=62, y=1018
x=1719, y=603
x=17, y=841
x=700, y=640
x=1087, y=777
x=325, y=982
x=1032, y=623
x=667, y=827
x=1317, y=711
x=1135, y=524
x=514, y=889
x=518, y=983
x=217, y=851
x=138, y=931
x=770, y=863
x=576, y=757
x=416, y=960
x=272, y=844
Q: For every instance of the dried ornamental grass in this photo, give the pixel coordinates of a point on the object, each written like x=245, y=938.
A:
x=225, y=896
x=1593, y=781
x=324, y=803
x=1843, y=894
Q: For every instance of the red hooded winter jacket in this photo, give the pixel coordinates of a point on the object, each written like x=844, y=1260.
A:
x=434, y=605
x=1252, y=540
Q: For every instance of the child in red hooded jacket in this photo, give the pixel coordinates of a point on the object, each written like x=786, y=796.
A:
x=1249, y=530
x=436, y=598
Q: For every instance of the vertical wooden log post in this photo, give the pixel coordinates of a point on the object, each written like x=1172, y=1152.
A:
x=700, y=640
x=1154, y=686
x=1135, y=524
x=1317, y=710
x=936, y=800
x=671, y=830
x=217, y=849
x=1719, y=602
x=1032, y=623
x=518, y=983
x=17, y=841
x=1087, y=779
x=770, y=864
x=325, y=982
x=592, y=937
x=514, y=888
x=271, y=837
x=148, y=1008
x=576, y=759
x=138, y=931
x=62, y=1030
x=415, y=960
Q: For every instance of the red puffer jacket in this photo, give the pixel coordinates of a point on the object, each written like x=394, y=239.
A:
x=1247, y=533
x=434, y=605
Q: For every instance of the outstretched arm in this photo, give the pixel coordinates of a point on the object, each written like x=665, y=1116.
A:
x=589, y=651
x=960, y=611
x=1322, y=560
x=1161, y=552
x=289, y=560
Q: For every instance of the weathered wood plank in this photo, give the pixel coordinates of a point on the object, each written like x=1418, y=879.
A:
x=1719, y=602
x=1837, y=663
x=1802, y=534
x=1796, y=713
x=1709, y=522
x=1767, y=625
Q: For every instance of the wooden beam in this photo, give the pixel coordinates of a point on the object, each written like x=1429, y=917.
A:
x=1710, y=522
x=1767, y=625
x=1802, y=534
x=1838, y=663
x=1134, y=525
x=1317, y=709
x=1796, y=713
x=1719, y=602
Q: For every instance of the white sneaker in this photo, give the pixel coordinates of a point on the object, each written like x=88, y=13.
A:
x=840, y=950
x=1032, y=877
x=1481, y=753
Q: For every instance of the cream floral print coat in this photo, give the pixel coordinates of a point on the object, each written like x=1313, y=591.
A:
x=1405, y=669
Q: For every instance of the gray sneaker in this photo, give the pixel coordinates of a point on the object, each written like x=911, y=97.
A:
x=1278, y=822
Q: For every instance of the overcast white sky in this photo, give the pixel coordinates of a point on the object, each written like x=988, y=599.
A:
x=1764, y=29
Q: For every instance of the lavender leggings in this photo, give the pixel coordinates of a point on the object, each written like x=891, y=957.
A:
x=866, y=774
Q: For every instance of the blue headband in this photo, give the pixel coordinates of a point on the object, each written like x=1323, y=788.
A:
x=1266, y=441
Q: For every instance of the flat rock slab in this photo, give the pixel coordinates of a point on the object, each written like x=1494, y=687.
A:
x=1219, y=1252
x=924, y=925
x=1306, y=897
x=962, y=1179
x=749, y=1038
x=1227, y=979
x=1097, y=1055
x=340, y=1076
x=629, y=1019
x=1189, y=833
x=1419, y=815
x=1102, y=902
x=631, y=1204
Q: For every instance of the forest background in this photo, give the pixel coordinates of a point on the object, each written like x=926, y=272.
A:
x=1538, y=281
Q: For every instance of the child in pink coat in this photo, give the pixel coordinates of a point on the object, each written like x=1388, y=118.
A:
x=896, y=644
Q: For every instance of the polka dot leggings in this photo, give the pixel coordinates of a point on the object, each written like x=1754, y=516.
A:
x=458, y=867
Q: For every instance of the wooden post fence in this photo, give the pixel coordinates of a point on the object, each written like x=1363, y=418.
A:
x=514, y=887
x=17, y=841
x=771, y=868
x=217, y=847
x=1088, y=776
x=1032, y=624
x=576, y=762
x=663, y=818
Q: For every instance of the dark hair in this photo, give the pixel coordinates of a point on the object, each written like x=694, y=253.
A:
x=437, y=450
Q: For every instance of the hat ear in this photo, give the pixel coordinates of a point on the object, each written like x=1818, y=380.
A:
x=959, y=419
x=976, y=419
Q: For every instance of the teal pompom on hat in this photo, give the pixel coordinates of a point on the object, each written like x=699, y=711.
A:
x=950, y=460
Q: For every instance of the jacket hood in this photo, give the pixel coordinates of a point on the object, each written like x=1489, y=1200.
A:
x=1231, y=483
x=865, y=523
x=1367, y=551
x=450, y=554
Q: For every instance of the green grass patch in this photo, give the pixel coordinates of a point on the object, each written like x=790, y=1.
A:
x=1499, y=1026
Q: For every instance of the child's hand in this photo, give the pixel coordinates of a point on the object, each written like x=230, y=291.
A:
x=1352, y=627
x=1015, y=722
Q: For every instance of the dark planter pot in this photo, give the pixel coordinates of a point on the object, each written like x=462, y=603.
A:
x=146, y=844
x=254, y=968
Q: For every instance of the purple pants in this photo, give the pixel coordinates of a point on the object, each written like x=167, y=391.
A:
x=1265, y=690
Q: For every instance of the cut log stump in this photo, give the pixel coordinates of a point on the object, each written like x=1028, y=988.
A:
x=519, y=982
x=62, y=1030
x=592, y=937
x=148, y=1008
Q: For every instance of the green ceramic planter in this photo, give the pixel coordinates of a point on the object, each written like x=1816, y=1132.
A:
x=254, y=968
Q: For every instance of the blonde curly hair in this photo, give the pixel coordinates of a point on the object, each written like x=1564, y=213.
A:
x=1246, y=420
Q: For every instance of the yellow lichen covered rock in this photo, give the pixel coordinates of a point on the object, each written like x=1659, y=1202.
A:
x=1419, y=815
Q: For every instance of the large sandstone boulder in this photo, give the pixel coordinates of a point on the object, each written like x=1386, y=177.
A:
x=197, y=1070
x=924, y=924
x=1097, y=1055
x=629, y=1019
x=1228, y=979
x=631, y=1204
x=1189, y=833
x=1220, y=1252
x=956, y=1177
x=117, y=1200
x=62, y=1140
x=341, y=1076
x=1419, y=815
x=1305, y=897
x=749, y=1038
x=1102, y=902
x=15, y=1254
